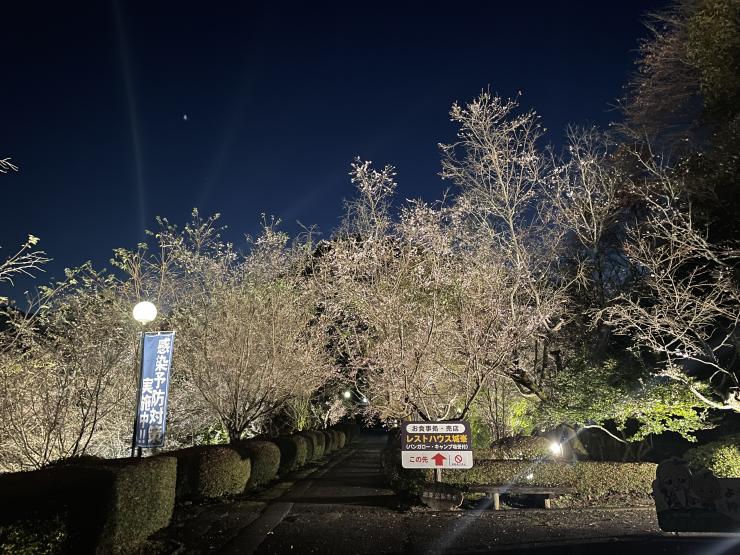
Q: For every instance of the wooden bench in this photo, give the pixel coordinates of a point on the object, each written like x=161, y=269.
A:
x=543, y=493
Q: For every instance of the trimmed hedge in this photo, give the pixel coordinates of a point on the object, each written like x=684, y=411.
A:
x=57, y=501
x=87, y=507
x=293, y=451
x=721, y=457
x=517, y=448
x=210, y=471
x=143, y=499
x=34, y=536
x=588, y=478
x=351, y=432
x=320, y=447
x=309, y=444
x=331, y=441
x=341, y=438
x=265, y=457
x=319, y=443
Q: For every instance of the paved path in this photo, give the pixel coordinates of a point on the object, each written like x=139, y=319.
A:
x=347, y=507
x=352, y=484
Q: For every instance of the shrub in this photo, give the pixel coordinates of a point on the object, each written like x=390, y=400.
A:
x=347, y=430
x=341, y=438
x=336, y=438
x=143, y=498
x=520, y=448
x=210, y=471
x=588, y=478
x=293, y=451
x=721, y=457
x=265, y=457
x=310, y=443
x=34, y=536
x=329, y=441
x=88, y=506
x=407, y=481
x=319, y=443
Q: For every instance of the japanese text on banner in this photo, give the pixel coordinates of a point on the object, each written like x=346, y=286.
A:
x=155, y=373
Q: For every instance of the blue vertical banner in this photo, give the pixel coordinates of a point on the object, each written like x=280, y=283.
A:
x=151, y=412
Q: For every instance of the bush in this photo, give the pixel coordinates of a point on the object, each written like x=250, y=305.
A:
x=519, y=448
x=330, y=443
x=341, y=438
x=293, y=451
x=320, y=449
x=404, y=480
x=347, y=430
x=721, y=457
x=319, y=443
x=333, y=439
x=210, y=471
x=143, y=498
x=310, y=442
x=88, y=506
x=265, y=457
x=34, y=536
x=588, y=478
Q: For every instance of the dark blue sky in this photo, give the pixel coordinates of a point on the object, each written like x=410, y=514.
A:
x=279, y=98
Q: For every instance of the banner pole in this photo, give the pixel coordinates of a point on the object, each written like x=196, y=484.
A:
x=138, y=394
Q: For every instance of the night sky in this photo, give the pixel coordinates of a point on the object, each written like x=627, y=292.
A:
x=118, y=112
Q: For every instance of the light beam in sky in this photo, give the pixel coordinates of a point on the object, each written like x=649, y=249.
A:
x=132, y=114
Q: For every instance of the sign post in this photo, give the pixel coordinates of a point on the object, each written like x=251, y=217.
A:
x=151, y=398
x=437, y=445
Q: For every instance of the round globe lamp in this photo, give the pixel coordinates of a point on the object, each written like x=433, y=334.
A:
x=145, y=312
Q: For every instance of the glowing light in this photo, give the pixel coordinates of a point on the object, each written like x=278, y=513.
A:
x=556, y=449
x=144, y=312
x=347, y=394
x=530, y=476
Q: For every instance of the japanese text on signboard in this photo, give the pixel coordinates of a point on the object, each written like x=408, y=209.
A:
x=440, y=436
x=155, y=374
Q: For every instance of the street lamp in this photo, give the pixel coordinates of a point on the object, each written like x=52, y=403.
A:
x=144, y=312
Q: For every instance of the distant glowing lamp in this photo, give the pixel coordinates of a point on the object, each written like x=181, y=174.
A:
x=364, y=399
x=347, y=394
x=556, y=449
x=145, y=312
x=530, y=476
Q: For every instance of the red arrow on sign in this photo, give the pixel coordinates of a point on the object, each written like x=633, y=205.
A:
x=438, y=459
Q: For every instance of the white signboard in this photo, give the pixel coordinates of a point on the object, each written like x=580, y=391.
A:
x=440, y=459
x=436, y=445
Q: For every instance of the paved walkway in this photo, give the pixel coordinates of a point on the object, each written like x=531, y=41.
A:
x=352, y=484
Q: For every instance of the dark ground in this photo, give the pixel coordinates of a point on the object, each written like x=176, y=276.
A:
x=345, y=506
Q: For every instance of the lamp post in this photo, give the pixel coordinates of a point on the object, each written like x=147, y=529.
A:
x=144, y=312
